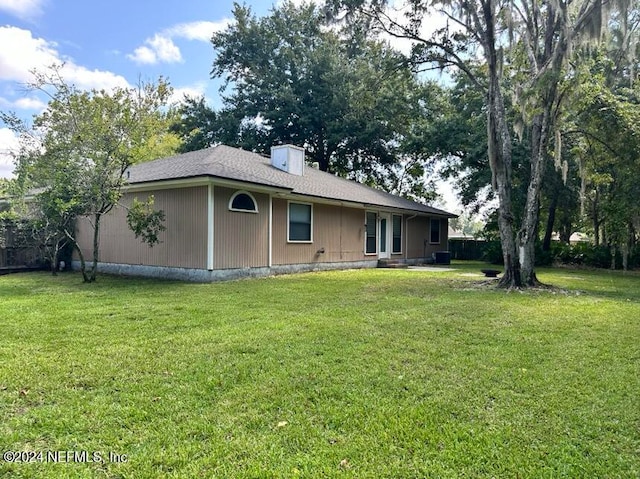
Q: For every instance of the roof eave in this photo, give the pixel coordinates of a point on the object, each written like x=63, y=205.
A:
x=370, y=206
x=200, y=180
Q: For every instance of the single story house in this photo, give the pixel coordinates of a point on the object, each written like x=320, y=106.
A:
x=231, y=213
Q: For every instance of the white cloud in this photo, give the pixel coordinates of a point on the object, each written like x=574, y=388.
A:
x=6, y=170
x=30, y=103
x=161, y=48
x=143, y=55
x=25, y=9
x=86, y=79
x=8, y=143
x=24, y=103
x=201, y=31
x=297, y=3
x=397, y=12
x=195, y=90
x=28, y=53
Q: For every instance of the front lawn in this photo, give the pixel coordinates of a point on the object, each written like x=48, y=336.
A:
x=363, y=374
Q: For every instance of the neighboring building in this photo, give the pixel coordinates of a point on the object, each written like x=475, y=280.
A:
x=575, y=238
x=231, y=213
x=458, y=235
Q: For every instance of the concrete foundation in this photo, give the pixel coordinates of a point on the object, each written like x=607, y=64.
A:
x=206, y=276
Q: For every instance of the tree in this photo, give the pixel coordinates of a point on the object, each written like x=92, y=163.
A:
x=350, y=103
x=5, y=185
x=196, y=124
x=524, y=48
x=607, y=121
x=81, y=146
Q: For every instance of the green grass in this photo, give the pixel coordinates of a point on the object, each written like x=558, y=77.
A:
x=362, y=374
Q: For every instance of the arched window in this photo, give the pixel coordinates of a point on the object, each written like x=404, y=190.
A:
x=243, y=201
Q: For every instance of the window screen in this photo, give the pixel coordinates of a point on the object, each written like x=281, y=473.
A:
x=397, y=234
x=435, y=231
x=371, y=233
x=299, y=222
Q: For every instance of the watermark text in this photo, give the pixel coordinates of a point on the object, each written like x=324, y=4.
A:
x=63, y=456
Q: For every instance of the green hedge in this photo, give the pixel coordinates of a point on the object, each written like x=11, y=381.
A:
x=584, y=254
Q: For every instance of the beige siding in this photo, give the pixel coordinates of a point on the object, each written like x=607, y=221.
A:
x=241, y=240
x=418, y=230
x=183, y=244
x=339, y=230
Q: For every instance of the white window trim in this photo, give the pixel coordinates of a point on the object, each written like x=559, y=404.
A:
x=289, y=222
x=401, y=233
x=270, y=259
x=439, y=231
x=210, y=230
x=365, y=233
x=243, y=192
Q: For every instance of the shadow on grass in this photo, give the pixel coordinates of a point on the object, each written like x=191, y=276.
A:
x=598, y=283
x=606, y=284
x=22, y=284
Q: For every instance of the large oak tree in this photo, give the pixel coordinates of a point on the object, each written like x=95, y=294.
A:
x=352, y=103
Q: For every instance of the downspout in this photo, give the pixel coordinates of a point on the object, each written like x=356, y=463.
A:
x=406, y=238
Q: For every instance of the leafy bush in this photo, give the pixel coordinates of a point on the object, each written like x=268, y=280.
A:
x=590, y=255
x=587, y=254
x=492, y=252
x=584, y=254
x=558, y=253
x=634, y=257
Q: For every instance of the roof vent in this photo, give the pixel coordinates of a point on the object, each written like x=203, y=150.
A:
x=288, y=158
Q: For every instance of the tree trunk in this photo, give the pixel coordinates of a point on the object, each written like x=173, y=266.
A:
x=627, y=245
x=83, y=263
x=551, y=218
x=500, y=161
x=565, y=229
x=596, y=220
x=54, y=258
x=613, y=250
x=96, y=247
x=76, y=246
x=511, y=277
x=528, y=232
x=500, y=155
x=499, y=152
x=548, y=71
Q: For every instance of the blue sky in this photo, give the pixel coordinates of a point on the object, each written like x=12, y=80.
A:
x=112, y=43
x=106, y=44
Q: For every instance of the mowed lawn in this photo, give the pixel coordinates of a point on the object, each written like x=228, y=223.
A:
x=363, y=374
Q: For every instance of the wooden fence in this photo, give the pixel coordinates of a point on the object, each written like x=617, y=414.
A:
x=16, y=248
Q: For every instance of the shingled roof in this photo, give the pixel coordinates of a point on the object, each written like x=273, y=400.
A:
x=236, y=164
